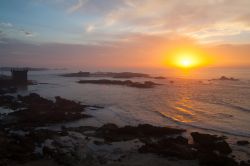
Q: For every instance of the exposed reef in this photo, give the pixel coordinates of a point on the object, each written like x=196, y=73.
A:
x=242, y=142
x=224, y=78
x=146, y=84
x=159, y=78
x=125, y=75
x=34, y=110
x=112, y=133
x=4, y=90
x=78, y=74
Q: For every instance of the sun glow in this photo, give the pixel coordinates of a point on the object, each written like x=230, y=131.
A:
x=186, y=61
x=186, y=58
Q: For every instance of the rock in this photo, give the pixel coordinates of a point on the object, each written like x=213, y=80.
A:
x=16, y=148
x=242, y=143
x=38, y=111
x=78, y=74
x=4, y=90
x=212, y=159
x=107, y=74
x=224, y=78
x=111, y=132
x=130, y=75
x=207, y=142
x=243, y=163
x=170, y=147
x=98, y=142
x=10, y=102
x=146, y=84
x=109, y=126
x=160, y=78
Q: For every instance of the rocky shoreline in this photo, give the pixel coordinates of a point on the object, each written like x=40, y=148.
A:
x=22, y=142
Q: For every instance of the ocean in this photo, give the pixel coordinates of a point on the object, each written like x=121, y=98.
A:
x=222, y=106
x=195, y=104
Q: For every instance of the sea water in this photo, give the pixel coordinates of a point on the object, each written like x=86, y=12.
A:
x=222, y=106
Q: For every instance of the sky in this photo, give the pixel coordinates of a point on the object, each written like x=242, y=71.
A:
x=122, y=33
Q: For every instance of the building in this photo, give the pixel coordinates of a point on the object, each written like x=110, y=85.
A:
x=19, y=75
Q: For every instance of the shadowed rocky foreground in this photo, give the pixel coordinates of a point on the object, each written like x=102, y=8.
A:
x=26, y=138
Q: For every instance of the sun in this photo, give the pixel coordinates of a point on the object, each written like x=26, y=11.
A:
x=186, y=60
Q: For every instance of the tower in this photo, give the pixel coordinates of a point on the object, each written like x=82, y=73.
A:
x=19, y=75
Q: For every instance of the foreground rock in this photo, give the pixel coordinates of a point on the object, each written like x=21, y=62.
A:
x=242, y=143
x=146, y=84
x=4, y=90
x=34, y=110
x=212, y=150
x=170, y=147
x=111, y=133
x=68, y=147
x=19, y=149
x=209, y=143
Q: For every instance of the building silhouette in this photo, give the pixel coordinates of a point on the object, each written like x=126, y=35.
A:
x=19, y=75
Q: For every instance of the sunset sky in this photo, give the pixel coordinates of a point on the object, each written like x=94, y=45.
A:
x=123, y=33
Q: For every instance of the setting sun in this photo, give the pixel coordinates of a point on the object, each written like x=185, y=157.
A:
x=186, y=60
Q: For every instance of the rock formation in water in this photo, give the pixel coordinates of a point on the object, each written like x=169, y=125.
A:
x=146, y=84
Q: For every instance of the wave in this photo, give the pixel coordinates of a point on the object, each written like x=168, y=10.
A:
x=207, y=128
x=237, y=107
x=229, y=105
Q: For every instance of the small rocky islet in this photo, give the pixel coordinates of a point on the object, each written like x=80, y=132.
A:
x=128, y=83
x=123, y=75
x=115, y=76
x=224, y=78
x=21, y=140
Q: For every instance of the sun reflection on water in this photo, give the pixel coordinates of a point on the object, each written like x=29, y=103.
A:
x=183, y=107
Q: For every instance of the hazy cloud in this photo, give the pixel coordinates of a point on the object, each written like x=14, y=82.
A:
x=134, y=50
x=77, y=6
x=6, y=24
x=90, y=28
x=27, y=34
x=208, y=17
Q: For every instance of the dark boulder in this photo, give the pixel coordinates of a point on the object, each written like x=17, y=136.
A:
x=110, y=132
x=242, y=143
x=38, y=111
x=213, y=159
x=170, y=147
x=244, y=163
x=207, y=142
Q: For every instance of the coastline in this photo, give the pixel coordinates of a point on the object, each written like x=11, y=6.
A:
x=105, y=145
